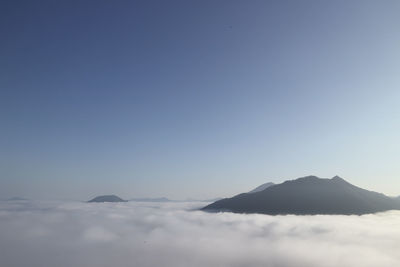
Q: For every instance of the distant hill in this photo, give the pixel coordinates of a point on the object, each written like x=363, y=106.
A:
x=308, y=195
x=261, y=187
x=107, y=198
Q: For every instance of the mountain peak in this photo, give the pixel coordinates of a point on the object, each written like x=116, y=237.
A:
x=338, y=179
x=305, y=179
x=309, y=177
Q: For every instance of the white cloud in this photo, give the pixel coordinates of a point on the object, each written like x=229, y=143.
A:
x=98, y=234
x=171, y=234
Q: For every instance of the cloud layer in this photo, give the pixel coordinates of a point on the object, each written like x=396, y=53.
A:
x=37, y=234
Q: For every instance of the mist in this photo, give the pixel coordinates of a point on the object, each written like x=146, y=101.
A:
x=176, y=234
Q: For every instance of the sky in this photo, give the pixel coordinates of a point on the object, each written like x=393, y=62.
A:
x=196, y=99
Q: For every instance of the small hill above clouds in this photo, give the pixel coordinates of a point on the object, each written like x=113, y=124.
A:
x=261, y=187
x=308, y=195
x=106, y=198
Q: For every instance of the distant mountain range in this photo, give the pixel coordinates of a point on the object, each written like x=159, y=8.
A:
x=164, y=199
x=114, y=198
x=157, y=199
x=305, y=196
x=107, y=198
x=17, y=199
x=14, y=199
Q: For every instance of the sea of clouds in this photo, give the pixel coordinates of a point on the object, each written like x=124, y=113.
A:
x=65, y=234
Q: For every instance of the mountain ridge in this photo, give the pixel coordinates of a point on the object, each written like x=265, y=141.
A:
x=261, y=187
x=308, y=195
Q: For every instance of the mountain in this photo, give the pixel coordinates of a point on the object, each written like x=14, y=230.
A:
x=107, y=198
x=308, y=195
x=261, y=187
x=158, y=199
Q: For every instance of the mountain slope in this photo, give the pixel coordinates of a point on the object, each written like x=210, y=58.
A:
x=261, y=187
x=308, y=195
x=107, y=198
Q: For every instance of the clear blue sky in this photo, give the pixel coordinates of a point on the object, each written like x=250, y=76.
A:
x=196, y=98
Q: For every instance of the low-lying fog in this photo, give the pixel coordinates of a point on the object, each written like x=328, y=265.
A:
x=66, y=234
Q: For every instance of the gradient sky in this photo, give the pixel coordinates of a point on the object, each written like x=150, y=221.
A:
x=196, y=98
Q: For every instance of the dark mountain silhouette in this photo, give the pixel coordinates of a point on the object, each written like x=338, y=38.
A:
x=308, y=195
x=261, y=187
x=107, y=198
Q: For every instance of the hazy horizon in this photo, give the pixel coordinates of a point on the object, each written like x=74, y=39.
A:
x=188, y=198
x=196, y=99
